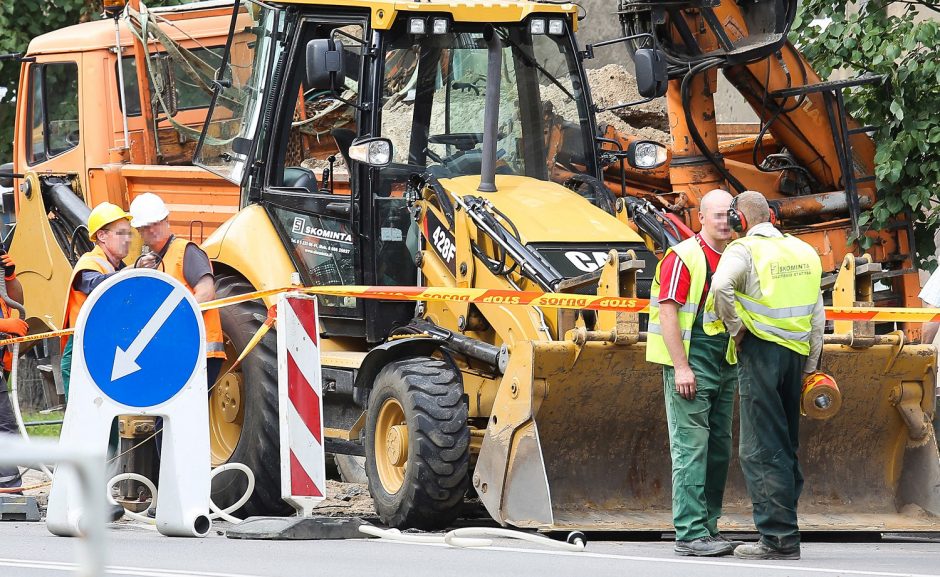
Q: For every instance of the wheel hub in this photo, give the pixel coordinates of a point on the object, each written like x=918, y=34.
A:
x=228, y=396
x=391, y=445
x=396, y=445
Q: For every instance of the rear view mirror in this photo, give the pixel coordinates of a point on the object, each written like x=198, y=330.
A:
x=325, y=69
x=651, y=78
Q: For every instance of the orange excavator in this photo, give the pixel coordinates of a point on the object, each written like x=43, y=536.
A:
x=812, y=161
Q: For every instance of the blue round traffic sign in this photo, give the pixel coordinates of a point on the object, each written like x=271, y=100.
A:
x=141, y=339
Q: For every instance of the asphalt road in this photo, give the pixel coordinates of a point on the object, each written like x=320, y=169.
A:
x=28, y=550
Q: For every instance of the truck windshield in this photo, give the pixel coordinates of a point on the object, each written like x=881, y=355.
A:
x=434, y=93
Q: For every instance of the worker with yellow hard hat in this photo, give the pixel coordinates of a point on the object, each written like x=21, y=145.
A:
x=766, y=294
x=184, y=261
x=109, y=228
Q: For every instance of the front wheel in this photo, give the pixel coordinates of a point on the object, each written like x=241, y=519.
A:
x=417, y=444
x=243, y=412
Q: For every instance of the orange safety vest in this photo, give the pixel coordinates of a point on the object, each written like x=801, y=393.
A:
x=7, y=353
x=173, y=265
x=95, y=260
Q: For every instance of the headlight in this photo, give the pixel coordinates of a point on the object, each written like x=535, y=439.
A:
x=646, y=154
x=556, y=27
x=440, y=25
x=417, y=26
x=537, y=26
x=372, y=151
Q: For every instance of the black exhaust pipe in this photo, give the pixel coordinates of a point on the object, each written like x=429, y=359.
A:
x=491, y=113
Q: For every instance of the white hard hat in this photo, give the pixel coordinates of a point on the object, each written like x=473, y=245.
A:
x=147, y=208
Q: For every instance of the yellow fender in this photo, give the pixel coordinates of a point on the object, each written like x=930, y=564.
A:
x=249, y=244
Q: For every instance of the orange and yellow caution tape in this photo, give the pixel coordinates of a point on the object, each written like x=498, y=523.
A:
x=527, y=298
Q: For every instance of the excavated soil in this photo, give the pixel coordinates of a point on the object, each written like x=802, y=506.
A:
x=346, y=500
x=612, y=85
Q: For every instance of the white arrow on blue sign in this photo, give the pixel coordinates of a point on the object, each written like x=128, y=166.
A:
x=141, y=340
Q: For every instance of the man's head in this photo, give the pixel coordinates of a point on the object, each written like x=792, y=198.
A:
x=713, y=214
x=751, y=208
x=109, y=228
x=115, y=238
x=150, y=219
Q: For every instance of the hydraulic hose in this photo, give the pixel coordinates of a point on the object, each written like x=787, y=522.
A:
x=217, y=512
x=475, y=537
x=693, y=129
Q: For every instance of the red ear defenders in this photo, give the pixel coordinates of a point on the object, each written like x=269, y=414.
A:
x=738, y=222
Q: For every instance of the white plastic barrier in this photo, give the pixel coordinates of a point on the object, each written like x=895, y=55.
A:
x=300, y=402
x=139, y=349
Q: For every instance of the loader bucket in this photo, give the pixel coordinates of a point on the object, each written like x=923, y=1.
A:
x=577, y=440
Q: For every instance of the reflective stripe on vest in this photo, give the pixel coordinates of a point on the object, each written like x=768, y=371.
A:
x=692, y=256
x=173, y=265
x=94, y=260
x=789, y=273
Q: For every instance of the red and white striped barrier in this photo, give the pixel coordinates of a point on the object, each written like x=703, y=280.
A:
x=300, y=402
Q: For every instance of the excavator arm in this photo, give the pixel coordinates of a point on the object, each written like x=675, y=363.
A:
x=813, y=162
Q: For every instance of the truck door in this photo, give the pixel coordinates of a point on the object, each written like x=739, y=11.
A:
x=312, y=192
x=50, y=126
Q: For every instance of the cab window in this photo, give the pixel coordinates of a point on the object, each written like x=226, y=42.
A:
x=191, y=88
x=53, y=110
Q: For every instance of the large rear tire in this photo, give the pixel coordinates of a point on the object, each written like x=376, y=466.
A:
x=417, y=444
x=243, y=410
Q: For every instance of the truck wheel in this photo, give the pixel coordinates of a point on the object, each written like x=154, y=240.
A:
x=417, y=444
x=243, y=417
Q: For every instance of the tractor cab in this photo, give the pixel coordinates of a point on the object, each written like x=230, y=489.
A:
x=327, y=113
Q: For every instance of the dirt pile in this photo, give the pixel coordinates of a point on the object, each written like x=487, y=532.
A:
x=612, y=85
x=346, y=500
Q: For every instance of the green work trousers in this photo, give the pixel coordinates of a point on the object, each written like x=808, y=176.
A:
x=770, y=385
x=700, y=436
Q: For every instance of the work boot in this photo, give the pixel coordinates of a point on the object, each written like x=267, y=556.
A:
x=703, y=547
x=723, y=539
x=761, y=550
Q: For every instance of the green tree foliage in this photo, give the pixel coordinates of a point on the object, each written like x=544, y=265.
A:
x=900, y=40
x=20, y=22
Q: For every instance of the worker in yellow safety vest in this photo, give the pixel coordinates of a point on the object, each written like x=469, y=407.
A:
x=184, y=261
x=766, y=294
x=698, y=383
x=109, y=228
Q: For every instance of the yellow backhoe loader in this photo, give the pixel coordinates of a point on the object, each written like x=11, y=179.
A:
x=442, y=113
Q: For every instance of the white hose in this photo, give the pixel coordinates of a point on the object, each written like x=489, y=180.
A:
x=224, y=514
x=134, y=477
x=466, y=537
x=15, y=401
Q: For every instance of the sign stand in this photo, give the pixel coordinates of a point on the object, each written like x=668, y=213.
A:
x=300, y=410
x=140, y=349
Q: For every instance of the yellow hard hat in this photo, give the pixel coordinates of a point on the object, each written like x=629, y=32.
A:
x=103, y=215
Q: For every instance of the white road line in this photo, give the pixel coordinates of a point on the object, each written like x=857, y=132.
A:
x=687, y=561
x=114, y=569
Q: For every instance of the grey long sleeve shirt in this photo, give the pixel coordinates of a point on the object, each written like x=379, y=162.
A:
x=736, y=272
